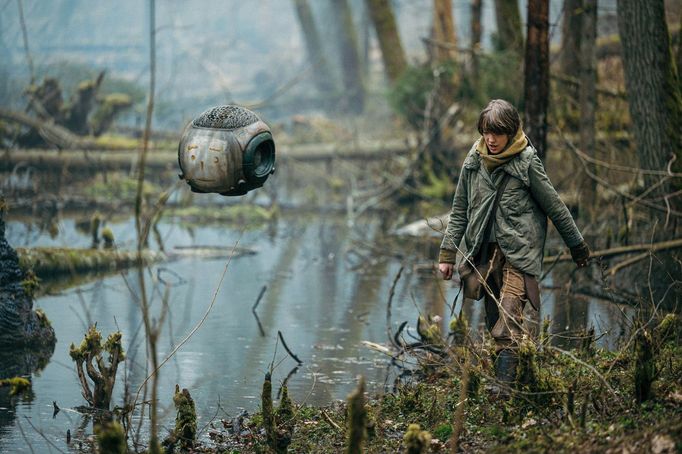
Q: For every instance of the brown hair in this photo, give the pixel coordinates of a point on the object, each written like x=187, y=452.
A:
x=499, y=117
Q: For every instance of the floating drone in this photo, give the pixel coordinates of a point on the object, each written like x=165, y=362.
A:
x=227, y=150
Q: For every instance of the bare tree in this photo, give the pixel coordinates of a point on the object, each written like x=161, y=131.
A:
x=536, y=74
x=444, y=30
x=389, y=39
x=588, y=89
x=509, y=33
x=653, y=85
x=571, y=34
x=322, y=73
x=350, y=57
x=476, y=13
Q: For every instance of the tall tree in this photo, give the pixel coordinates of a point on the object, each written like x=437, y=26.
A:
x=323, y=76
x=536, y=74
x=571, y=34
x=476, y=13
x=389, y=39
x=509, y=33
x=652, y=83
x=350, y=56
x=444, y=30
x=588, y=89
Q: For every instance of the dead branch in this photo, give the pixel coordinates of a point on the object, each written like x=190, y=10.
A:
x=576, y=83
x=260, y=296
x=286, y=347
x=601, y=181
x=388, y=304
x=620, y=250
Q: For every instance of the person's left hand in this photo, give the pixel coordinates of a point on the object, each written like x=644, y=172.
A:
x=580, y=254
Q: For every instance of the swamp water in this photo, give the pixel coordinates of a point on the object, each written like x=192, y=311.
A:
x=325, y=292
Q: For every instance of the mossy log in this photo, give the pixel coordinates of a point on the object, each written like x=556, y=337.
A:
x=48, y=262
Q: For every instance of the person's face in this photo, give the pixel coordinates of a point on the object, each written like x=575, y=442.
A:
x=496, y=142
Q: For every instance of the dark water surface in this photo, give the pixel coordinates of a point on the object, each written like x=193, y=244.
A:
x=326, y=293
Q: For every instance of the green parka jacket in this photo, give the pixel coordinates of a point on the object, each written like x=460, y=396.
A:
x=521, y=217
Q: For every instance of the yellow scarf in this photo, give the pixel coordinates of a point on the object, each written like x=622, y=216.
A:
x=492, y=161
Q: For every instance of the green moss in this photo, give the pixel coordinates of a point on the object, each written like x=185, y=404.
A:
x=417, y=441
x=267, y=412
x=443, y=432
x=48, y=262
x=121, y=187
x=42, y=318
x=17, y=385
x=108, y=238
x=111, y=439
x=186, y=419
x=242, y=214
x=31, y=283
x=357, y=419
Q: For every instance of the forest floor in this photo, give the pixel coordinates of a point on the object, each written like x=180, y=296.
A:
x=582, y=400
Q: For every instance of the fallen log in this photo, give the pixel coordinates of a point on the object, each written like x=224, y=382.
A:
x=47, y=262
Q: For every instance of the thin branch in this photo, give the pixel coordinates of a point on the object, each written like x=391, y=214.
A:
x=260, y=296
x=197, y=326
x=652, y=247
x=389, y=332
x=286, y=347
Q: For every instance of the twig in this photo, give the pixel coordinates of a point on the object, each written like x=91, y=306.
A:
x=625, y=263
x=197, y=326
x=652, y=247
x=286, y=347
x=24, y=35
x=459, y=412
x=42, y=435
x=331, y=421
x=260, y=295
x=390, y=300
x=26, y=440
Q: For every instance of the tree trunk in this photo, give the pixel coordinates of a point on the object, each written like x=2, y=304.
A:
x=323, y=76
x=350, y=57
x=571, y=37
x=509, y=33
x=653, y=85
x=679, y=55
x=476, y=13
x=444, y=30
x=389, y=40
x=588, y=95
x=536, y=75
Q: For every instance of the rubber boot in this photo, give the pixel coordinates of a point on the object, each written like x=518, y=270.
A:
x=505, y=367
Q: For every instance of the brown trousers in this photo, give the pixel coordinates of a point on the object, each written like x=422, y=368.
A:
x=505, y=298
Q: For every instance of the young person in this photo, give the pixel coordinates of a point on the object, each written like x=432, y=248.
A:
x=513, y=237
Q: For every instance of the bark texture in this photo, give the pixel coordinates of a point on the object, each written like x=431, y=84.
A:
x=509, y=33
x=571, y=37
x=536, y=75
x=652, y=83
x=322, y=73
x=389, y=39
x=444, y=30
x=588, y=91
x=19, y=324
x=350, y=57
x=476, y=13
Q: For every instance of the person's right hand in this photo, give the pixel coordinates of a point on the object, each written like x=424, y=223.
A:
x=446, y=270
